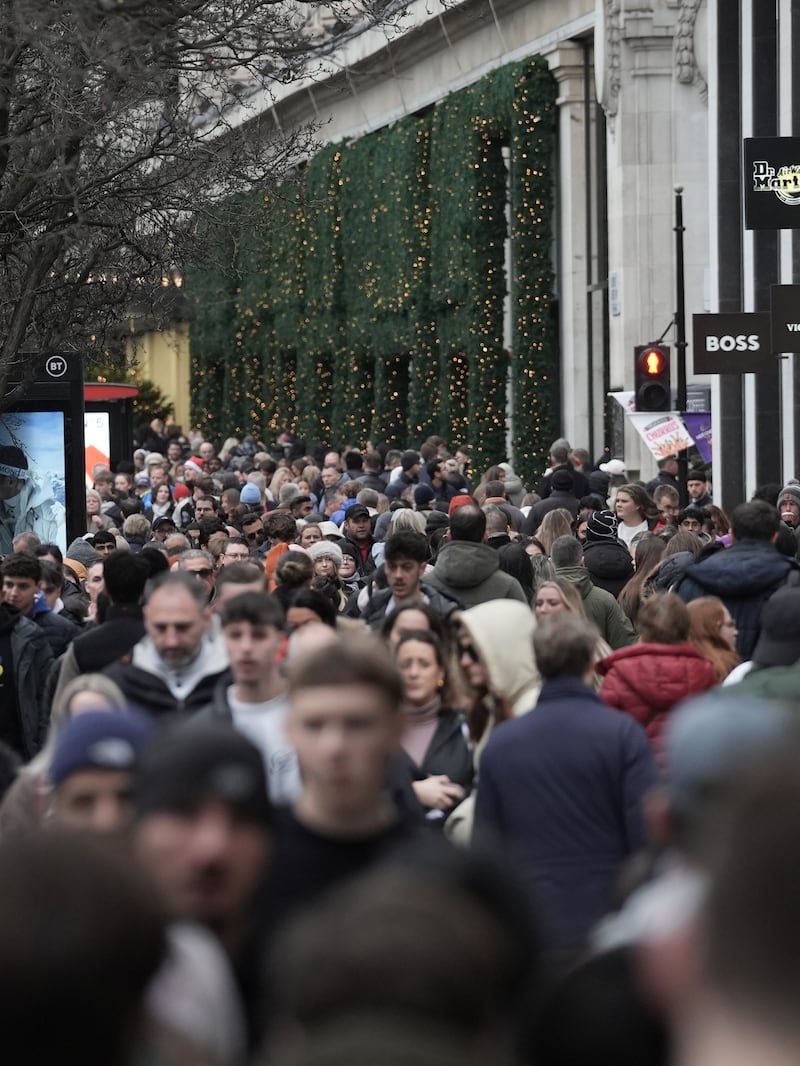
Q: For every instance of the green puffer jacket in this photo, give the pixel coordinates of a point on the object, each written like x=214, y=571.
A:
x=601, y=608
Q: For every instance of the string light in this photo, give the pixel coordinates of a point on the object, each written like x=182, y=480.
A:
x=371, y=304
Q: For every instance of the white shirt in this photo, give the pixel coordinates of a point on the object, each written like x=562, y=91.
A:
x=627, y=533
x=263, y=725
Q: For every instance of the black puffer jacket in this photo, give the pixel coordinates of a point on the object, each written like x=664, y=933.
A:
x=32, y=657
x=671, y=571
x=144, y=689
x=609, y=564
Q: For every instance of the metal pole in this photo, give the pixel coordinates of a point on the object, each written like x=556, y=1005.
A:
x=680, y=335
x=588, y=249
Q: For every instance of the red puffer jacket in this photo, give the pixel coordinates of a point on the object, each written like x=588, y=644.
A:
x=647, y=680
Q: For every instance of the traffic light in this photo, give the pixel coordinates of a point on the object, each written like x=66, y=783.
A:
x=651, y=378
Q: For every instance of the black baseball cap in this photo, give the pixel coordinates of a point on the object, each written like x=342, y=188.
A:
x=358, y=510
x=163, y=520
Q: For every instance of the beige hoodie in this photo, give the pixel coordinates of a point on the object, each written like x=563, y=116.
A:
x=501, y=631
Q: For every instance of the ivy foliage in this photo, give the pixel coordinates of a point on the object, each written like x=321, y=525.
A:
x=372, y=303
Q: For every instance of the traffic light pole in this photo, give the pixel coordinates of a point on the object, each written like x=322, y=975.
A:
x=680, y=335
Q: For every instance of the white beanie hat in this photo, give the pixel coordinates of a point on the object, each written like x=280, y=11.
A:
x=322, y=549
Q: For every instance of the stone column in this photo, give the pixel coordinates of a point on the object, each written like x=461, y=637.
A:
x=567, y=62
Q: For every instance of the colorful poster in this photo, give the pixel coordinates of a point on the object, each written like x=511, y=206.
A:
x=664, y=434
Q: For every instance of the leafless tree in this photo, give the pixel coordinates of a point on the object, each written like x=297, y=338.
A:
x=125, y=125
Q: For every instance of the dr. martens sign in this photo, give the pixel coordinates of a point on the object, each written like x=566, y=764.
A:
x=772, y=182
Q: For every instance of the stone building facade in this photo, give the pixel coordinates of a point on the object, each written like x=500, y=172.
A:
x=651, y=94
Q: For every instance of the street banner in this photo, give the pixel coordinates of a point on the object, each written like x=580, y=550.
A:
x=664, y=434
x=772, y=182
x=698, y=424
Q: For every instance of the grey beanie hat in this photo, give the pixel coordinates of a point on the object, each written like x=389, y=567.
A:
x=83, y=551
x=790, y=492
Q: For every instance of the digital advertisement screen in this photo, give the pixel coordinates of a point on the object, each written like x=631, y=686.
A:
x=97, y=441
x=32, y=477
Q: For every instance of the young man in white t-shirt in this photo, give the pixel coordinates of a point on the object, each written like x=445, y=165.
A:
x=253, y=695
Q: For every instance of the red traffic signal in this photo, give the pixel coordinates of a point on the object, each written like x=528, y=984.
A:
x=653, y=362
x=652, y=378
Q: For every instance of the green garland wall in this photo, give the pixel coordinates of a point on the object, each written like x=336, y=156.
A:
x=370, y=300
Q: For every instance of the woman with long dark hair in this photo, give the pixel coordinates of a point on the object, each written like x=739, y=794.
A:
x=434, y=735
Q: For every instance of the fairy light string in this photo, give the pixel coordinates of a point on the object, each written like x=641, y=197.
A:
x=369, y=304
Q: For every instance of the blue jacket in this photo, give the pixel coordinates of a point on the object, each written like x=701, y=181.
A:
x=560, y=789
x=60, y=631
x=744, y=576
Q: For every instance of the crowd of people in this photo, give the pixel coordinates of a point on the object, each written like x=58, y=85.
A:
x=322, y=756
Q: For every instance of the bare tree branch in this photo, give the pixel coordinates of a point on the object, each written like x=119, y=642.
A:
x=118, y=140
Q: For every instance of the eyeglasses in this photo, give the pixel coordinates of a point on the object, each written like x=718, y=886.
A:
x=469, y=651
x=205, y=572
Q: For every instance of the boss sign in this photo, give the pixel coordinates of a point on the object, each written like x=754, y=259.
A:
x=731, y=344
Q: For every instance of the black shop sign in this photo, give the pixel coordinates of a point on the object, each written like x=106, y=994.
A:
x=731, y=344
x=772, y=182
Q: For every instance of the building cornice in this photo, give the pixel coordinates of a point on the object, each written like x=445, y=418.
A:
x=446, y=39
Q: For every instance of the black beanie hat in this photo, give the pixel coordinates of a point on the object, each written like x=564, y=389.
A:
x=348, y=548
x=601, y=525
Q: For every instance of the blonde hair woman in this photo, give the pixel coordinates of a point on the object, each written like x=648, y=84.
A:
x=557, y=596
x=281, y=476
x=555, y=524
